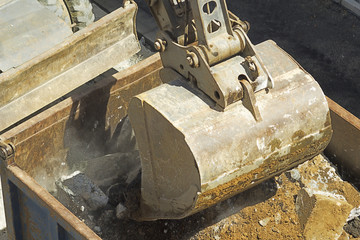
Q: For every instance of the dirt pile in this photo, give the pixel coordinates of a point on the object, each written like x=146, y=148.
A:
x=279, y=211
x=309, y=199
x=270, y=210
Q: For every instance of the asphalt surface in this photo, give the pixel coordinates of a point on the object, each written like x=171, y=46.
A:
x=320, y=34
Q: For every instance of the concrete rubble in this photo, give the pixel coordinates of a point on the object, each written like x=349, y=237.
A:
x=81, y=196
x=353, y=227
x=321, y=215
x=113, y=169
x=79, y=193
x=121, y=211
x=99, y=193
x=310, y=201
x=103, y=188
x=264, y=221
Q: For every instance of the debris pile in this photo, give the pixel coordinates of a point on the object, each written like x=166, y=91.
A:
x=307, y=202
x=353, y=227
x=310, y=201
x=81, y=196
x=107, y=187
x=96, y=205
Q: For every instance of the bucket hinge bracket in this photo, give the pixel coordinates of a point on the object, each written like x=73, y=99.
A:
x=209, y=47
x=7, y=150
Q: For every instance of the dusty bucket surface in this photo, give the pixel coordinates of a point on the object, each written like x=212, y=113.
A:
x=66, y=65
x=194, y=156
x=236, y=218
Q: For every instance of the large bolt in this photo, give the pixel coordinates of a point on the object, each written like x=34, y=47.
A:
x=160, y=45
x=6, y=150
x=193, y=60
x=157, y=46
x=251, y=64
x=3, y=154
x=190, y=60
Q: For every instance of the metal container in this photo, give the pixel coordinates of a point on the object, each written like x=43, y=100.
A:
x=80, y=124
x=44, y=141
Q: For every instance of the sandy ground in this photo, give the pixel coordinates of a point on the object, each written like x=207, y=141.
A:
x=266, y=211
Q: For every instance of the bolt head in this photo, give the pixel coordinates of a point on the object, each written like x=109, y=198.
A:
x=193, y=60
x=3, y=154
x=190, y=60
x=157, y=45
x=160, y=45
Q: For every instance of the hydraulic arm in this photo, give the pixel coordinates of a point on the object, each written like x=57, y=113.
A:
x=200, y=34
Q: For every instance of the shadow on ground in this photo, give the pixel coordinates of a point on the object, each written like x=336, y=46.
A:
x=188, y=227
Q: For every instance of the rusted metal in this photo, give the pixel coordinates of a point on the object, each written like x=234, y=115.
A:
x=78, y=59
x=145, y=75
x=52, y=137
x=68, y=127
x=344, y=148
x=7, y=150
x=24, y=34
x=194, y=155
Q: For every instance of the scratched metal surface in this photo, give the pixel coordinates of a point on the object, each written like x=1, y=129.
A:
x=24, y=34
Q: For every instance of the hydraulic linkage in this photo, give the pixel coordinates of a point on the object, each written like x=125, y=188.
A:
x=208, y=45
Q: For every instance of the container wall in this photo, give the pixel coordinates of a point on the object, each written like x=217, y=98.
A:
x=344, y=148
x=76, y=128
x=45, y=140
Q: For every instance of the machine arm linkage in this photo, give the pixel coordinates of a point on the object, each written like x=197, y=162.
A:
x=208, y=45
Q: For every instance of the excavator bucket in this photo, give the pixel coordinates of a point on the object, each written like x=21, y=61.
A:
x=194, y=155
x=40, y=63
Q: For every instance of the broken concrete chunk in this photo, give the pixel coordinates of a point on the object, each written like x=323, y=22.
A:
x=320, y=175
x=121, y=211
x=353, y=227
x=113, y=168
x=123, y=139
x=264, y=221
x=97, y=229
x=78, y=193
x=321, y=215
x=295, y=174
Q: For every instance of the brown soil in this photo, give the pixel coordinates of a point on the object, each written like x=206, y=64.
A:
x=266, y=211
x=246, y=223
